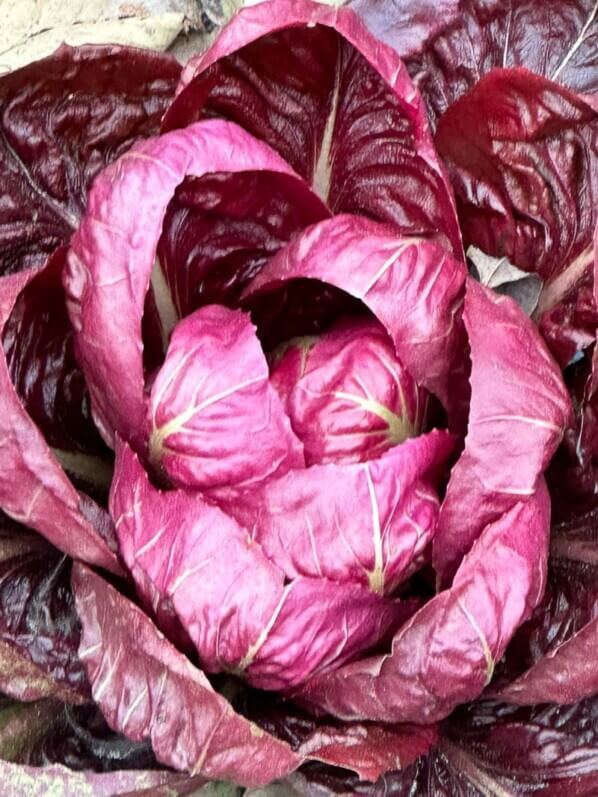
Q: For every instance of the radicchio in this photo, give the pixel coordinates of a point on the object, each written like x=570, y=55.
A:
x=50, y=153
x=39, y=628
x=33, y=487
x=551, y=656
x=152, y=691
x=446, y=654
x=512, y=433
x=529, y=193
x=51, y=150
x=215, y=418
x=348, y=396
x=285, y=512
x=367, y=523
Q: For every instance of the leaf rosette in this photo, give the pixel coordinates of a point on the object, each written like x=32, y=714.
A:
x=308, y=445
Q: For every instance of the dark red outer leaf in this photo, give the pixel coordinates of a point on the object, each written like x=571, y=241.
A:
x=522, y=154
x=33, y=487
x=573, y=473
x=545, y=750
x=62, y=119
x=559, y=645
x=449, y=46
x=569, y=328
x=38, y=343
x=39, y=628
x=349, y=121
x=220, y=229
x=365, y=749
x=407, y=26
x=369, y=750
x=485, y=749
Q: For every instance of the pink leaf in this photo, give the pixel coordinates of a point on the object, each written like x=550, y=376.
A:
x=518, y=412
x=413, y=286
x=230, y=598
x=215, y=419
x=348, y=396
x=149, y=690
x=445, y=655
x=365, y=523
x=111, y=257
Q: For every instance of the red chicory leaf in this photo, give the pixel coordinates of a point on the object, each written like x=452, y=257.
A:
x=409, y=26
x=349, y=120
x=81, y=740
x=318, y=626
x=557, y=648
x=215, y=419
x=575, y=477
x=523, y=160
x=572, y=475
x=484, y=749
x=413, y=286
x=39, y=629
x=449, y=47
x=368, y=749
x=230, y=598
x=33, y=487
x=126, y=483
x=569, y=328
x=348, y=396
x=446, y=653
x=546, y=750
x=205, y=548
x=111, y=257
x=519, y=409
x=50, y=151
x=220, y=229
x=62, y=119
x=59, y=781
x=38, y=343
x=573, y=472
x=365, y=523
x=150, y=690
